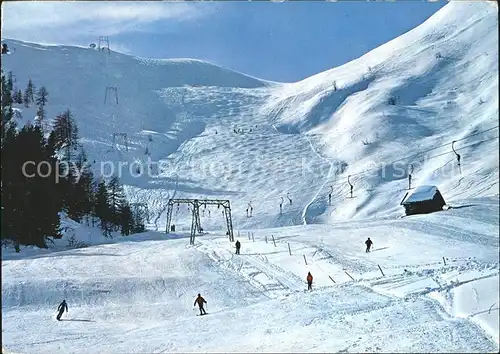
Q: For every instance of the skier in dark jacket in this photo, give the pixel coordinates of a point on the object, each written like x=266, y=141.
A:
x=5, y=49
x=63, y=305
x=200, y=301
x=369, y=244
x=238, y=246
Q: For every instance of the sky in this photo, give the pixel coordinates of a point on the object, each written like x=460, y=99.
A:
x=277, y=41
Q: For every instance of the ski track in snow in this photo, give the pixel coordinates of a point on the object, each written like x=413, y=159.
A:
x=322, y=188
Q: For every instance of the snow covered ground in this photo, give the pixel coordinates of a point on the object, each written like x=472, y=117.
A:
x=137, y=295
x=403, y=102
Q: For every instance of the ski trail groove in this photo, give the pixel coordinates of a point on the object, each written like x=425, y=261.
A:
x=304, y=212
x=275, y=273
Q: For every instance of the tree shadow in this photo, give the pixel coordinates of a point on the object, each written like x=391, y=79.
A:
x=462, y=206
x=83, y=254
x=167, y=184
x=77, y=320
x=57, y=253
x=262, y=253
x=283, y=237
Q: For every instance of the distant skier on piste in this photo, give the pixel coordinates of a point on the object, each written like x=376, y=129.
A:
x=369, y=244
x=62, y=306
x=238, y=246
x=200, y=301
x=309, y=281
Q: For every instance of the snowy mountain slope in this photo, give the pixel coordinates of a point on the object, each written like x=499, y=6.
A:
x=443, y=77
x=189, y=110
x=439, y=287
x=136, y=79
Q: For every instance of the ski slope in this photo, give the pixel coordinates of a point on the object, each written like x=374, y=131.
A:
x=439, y=291
x=136, y=295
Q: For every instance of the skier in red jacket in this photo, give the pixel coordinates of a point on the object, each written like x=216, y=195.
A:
x=309, y=281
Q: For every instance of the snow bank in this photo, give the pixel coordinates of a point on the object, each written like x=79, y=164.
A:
x=479, y=301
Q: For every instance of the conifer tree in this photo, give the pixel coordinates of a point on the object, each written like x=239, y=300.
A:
x=102, y=208
x=30, y=202
x=18, y=96
x=40, y=114
x=65, y=134
x=41, y=96
x=30, y=91
x=10, y=81
x=126, y=219
x=6, y=101
x=116, y=199
x=81, y=190
x=26, y=99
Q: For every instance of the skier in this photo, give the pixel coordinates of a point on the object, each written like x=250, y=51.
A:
x=200, y=302
x=309, y=281
x=238, y=246
x=369, y=244
x=5, y=49
x=63, y=305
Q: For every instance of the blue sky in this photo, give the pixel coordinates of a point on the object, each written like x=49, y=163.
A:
x=285, y=41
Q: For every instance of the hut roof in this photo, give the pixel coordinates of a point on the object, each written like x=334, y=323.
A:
x=420, y=194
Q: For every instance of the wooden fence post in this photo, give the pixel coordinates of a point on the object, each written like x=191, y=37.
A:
x=266, y=238
x=444, y=261
x=289, y=249
x=331, y=279
x=305, y=260
x=348, y=275
x=381, y=270
x=273, y=240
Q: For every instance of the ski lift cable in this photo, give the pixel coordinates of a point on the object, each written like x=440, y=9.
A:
x=432, y=157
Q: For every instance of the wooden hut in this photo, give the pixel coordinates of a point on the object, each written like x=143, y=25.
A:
x=423, y=200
